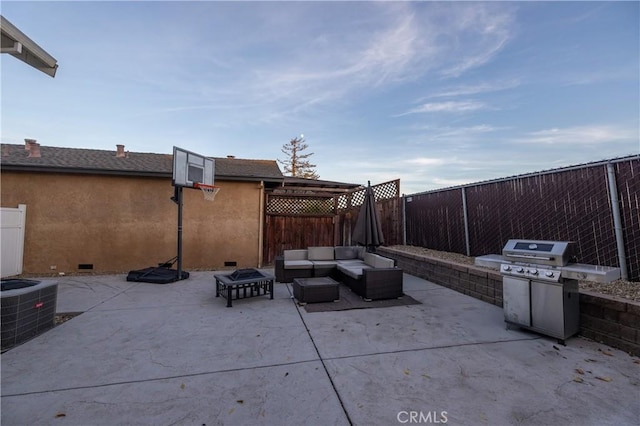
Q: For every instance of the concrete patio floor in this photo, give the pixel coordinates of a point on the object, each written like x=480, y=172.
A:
x=147, y=354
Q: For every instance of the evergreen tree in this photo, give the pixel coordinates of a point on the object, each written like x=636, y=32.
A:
x=297, y=163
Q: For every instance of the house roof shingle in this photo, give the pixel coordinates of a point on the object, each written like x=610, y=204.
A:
x=95, y=161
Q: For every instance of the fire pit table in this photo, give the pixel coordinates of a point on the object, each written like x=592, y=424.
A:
x=251, y=281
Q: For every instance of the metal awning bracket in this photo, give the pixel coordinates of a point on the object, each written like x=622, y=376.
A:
x=15, y=48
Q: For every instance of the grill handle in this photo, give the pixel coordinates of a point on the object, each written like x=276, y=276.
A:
x=524, y=256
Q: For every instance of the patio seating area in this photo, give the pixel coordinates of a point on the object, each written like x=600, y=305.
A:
x=142, y=353
x=367, y=274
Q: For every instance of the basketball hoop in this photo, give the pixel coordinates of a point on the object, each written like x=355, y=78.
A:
x=209, y=191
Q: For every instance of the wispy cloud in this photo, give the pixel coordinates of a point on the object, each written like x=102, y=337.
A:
x=579, y=135
x=397, y=43
x=443, y=182
x=447, y=107
x=426, y=161
x=379, y=58
x=466, y=131
x=484, y=32
x=466, y=90
x=583, y=78
x=382, y=46
x=475, y=61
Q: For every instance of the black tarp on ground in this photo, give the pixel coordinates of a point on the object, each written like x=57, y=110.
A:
x=156, y=275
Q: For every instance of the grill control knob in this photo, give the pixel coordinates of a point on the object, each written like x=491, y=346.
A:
x=520, y=270
x=533, y=272
x=550, y=274
x=506, y=268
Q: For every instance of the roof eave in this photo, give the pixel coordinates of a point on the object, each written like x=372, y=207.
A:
x=18, y=45
x=80, y=170
x=269, y=179
x=117, y=172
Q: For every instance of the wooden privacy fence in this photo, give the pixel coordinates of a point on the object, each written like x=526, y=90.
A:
x=294, y=221
x=597, y=205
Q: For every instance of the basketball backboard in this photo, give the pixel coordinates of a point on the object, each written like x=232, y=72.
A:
x=190, y=168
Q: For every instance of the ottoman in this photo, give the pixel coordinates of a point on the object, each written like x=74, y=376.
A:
x=314, y=290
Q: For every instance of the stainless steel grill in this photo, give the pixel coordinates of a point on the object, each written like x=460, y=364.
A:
x=552, y=253
x=540, y=285
x=539, y=260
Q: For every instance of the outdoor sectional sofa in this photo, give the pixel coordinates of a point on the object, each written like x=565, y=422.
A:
x=369, y=275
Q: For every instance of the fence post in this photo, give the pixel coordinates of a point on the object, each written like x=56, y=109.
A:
x=466, y=222
x=404, y=220
x=617, y=222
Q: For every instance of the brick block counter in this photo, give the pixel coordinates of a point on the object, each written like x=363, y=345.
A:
x=607, y=319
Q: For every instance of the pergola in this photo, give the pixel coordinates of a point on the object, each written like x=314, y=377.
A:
x=17, y=44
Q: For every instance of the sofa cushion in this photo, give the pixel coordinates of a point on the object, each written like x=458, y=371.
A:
x=298, y=264
x=353, y=270
x=348, y=252
x=384, y=262
x=324, y=264
x=295, y=255
x=320, y=253
x=349, y=262
x=370, y=259
x=377, y=261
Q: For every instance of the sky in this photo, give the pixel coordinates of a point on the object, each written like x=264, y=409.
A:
x=435, y=94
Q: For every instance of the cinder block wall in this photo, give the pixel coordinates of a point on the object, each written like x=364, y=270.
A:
x=480, y=283
x=609, y=320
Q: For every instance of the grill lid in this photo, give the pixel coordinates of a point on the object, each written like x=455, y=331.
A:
x=552, y=253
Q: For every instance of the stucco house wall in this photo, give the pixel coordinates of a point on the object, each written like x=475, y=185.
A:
x=119, y=222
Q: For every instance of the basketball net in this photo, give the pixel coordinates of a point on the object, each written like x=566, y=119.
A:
x=209, y=191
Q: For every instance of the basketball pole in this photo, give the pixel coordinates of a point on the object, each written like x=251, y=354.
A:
x=178, y=200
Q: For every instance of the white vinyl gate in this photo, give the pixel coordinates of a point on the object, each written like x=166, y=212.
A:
x=12, y=239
